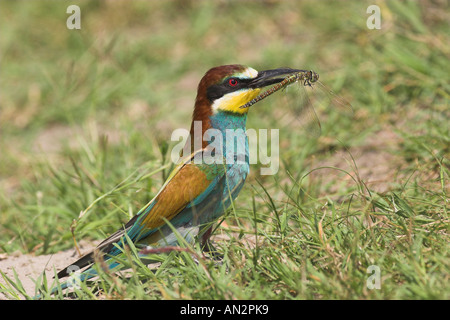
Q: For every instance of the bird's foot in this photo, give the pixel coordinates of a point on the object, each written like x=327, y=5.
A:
x=212, y=252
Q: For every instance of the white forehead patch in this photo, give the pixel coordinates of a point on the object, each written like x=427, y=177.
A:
x=248, y=73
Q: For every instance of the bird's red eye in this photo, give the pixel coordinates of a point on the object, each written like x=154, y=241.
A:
x=232, y=82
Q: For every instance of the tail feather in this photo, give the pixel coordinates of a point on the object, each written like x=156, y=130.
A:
x=103, y=248
x=77, y=265
x=75, y=280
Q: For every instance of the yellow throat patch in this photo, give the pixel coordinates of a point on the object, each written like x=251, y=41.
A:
x=233, y=101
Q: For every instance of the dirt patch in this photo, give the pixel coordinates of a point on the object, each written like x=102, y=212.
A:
x=376, y=163
x=29, y=267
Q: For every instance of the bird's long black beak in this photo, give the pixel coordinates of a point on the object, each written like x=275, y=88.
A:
x=269, y=77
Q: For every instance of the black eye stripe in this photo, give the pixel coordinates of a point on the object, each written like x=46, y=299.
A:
x=217, y=91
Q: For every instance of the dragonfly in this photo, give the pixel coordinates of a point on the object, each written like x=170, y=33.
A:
x=303, y=109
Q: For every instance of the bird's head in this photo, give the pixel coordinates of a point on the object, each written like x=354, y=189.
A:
x=227, y=88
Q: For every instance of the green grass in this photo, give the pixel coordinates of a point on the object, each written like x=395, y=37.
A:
x=86, y=118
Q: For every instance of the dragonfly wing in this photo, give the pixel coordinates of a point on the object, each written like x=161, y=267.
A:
x=335, y=100
x=303, y=110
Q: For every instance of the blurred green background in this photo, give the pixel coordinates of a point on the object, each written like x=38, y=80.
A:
x=82, y=110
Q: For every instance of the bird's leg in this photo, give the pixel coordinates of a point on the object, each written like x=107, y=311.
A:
x=208, y=247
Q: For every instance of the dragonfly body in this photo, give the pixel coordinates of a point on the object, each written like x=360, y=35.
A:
x=307, y=77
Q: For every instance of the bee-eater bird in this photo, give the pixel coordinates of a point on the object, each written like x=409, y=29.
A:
x=196, y=193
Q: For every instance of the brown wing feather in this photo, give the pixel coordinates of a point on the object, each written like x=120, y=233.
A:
x=185, y=186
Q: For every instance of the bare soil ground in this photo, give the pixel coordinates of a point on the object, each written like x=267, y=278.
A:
x=29, y=267
x=375, y=163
